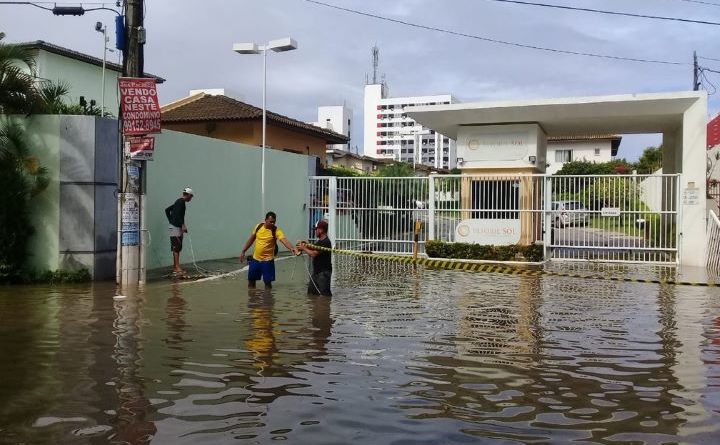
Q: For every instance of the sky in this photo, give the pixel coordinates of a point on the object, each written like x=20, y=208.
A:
x=189, y=43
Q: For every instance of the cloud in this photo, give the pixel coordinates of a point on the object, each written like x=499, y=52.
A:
x=189, y=43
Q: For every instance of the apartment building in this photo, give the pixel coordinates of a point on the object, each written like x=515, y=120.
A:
x=337, y=118
x=390, y=134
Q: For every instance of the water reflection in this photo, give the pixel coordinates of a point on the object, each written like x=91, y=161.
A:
x=175, y=312
x=133, y=423
x=261, y=341
x=402, y=354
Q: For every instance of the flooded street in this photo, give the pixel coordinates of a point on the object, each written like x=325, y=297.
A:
x=397, y=356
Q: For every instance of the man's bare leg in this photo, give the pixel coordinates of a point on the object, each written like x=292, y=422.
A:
x=176, y=262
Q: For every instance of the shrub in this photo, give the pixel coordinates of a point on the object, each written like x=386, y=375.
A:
x=61, y=276
x=466, y=251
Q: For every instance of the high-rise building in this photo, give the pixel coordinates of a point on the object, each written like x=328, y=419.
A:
x=390, y=133
x=337, y=118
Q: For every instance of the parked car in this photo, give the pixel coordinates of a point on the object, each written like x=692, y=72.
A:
x=568, y=213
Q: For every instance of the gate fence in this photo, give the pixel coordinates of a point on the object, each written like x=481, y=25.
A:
x=713, y=250
x=616, y=218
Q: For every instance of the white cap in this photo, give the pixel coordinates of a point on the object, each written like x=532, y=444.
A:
x=188, y=190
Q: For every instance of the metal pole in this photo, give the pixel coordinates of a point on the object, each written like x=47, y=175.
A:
x=102, y=94
x=264, y=131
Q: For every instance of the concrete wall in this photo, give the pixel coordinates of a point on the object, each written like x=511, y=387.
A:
x=250, y=133
x=226, y=179
x=75, y=218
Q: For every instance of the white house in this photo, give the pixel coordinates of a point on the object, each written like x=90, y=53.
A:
x=592, y=148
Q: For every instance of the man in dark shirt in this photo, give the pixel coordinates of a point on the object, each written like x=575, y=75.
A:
x=321, y=260
x=176, y=217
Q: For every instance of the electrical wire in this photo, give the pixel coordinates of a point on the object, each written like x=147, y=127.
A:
x=700, y=2
x=603, y=11
x=497, y=41
x=708, y=58
x=707, y=82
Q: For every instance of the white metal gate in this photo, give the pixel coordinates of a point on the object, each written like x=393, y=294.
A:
x=616, y=218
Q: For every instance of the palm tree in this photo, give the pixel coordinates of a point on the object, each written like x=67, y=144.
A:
x=21, y=176
x=18, y=92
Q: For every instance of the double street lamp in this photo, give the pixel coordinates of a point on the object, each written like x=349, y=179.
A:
x=279, y=45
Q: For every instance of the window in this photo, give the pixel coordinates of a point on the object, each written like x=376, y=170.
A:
x=563, y=156
x=597, y=152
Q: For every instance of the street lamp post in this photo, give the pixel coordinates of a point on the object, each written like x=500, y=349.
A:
x=279, y=45
x=99, y=27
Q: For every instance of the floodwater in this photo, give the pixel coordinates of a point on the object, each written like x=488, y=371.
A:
x=397, y=356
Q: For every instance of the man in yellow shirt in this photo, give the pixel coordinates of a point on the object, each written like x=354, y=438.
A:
x=262, y=263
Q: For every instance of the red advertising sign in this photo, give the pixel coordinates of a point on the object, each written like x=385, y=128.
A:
x=139, y=106
x=141, y=148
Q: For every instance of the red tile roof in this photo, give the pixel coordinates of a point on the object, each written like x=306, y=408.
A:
x=205, y=107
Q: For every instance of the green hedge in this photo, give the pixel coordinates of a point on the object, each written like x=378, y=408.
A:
x=465, y=251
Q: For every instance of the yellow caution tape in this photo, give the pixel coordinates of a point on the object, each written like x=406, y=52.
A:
x=495, y=268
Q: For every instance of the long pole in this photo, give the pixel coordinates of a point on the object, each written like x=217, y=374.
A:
x=696, y=83
x=102, y=94
x=131, y=251
x=264, y=131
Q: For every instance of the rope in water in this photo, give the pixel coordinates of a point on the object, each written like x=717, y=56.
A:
x=495, y=268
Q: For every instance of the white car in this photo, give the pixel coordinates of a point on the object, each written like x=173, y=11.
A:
x=568, y=213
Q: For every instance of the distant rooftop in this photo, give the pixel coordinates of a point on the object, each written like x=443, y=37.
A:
x=72, y=54
x=204, y=107
x=613, y=138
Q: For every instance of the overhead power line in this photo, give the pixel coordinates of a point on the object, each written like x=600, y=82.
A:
x=602, y=11
x=700, y=2
x=497, y=41
x=709, y=58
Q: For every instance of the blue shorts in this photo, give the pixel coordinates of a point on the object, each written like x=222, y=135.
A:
x=264, y=270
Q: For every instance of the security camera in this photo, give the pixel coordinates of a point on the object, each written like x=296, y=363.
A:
x=98, y=26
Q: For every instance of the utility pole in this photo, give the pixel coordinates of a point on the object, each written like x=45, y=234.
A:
x=135, y=34
x=131, y=218
x=696, y=72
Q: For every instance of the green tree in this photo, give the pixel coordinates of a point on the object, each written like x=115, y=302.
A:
x=396, y=170
x=18, y=93
x=21, y=178
x=341, y=172
x=650, y=161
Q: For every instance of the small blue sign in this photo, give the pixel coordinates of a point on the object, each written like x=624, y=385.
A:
x=130, y=238
x=130, y=226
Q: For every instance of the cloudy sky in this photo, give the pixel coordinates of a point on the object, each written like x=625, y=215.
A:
x=189, y=43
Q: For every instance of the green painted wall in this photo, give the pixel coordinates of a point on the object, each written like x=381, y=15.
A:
x=226, y=179
x=43, y=135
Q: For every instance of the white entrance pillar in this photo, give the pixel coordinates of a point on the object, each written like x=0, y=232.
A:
x=692, y=184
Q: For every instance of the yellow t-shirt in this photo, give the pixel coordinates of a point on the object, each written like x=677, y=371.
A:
x=264, y=243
